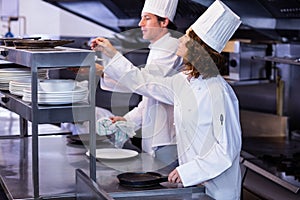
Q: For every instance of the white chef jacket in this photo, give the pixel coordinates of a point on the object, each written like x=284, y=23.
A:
x=153, y=117
x=206, y=115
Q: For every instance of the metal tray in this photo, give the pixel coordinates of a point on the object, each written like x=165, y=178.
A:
x=40, y=44
x=9, y=42
x=83, y=139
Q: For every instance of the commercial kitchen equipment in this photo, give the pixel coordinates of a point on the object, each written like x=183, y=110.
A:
x=273, y=23
x=240, y=66
x=50, y=58
x=59, y=163
x=272, y=167
x=272, y=162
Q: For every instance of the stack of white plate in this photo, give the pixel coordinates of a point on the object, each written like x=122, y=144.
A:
x=17, y=87
x=17, y=74
x=79, y=94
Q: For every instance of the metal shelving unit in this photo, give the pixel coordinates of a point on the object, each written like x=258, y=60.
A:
x=58, y=57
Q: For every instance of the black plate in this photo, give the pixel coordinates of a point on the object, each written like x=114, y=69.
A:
x=40, y=44
x=9, y=42
x=83, y=139
x=141, y=179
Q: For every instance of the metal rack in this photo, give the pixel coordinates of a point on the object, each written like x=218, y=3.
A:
x=58, y=57
x=291, y=61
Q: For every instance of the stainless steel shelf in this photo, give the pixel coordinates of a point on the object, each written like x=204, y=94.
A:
x=47, y=114
x=58, y=57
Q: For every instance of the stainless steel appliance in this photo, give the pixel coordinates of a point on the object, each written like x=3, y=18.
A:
x=271, y=168
x=240, y=66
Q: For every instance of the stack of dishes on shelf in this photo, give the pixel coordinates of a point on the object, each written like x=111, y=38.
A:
x=17, y=74
x=58, y=92
x=17, y=87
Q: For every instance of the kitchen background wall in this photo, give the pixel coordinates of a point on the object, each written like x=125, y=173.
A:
x=47, y=20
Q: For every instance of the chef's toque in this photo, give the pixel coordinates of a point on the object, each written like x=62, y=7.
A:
x=216, y=25
x=161, y=8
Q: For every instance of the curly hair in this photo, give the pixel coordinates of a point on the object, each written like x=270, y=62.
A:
x=201, y=59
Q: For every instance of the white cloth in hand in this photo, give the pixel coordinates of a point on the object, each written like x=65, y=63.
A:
x=120, y=130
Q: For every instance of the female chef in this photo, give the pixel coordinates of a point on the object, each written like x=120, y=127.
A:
x=206, y=110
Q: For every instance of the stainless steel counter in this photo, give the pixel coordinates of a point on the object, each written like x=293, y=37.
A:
x=272, y=167
x=58, y=161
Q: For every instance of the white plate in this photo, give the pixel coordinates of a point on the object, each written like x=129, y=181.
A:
x=55, y=99
x=77, y=90
x=53, y=102
x=18, y=93
x=112, y=154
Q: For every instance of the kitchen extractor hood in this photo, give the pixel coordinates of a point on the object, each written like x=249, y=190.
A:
x=266, y=19
x=121, y=15
x=261, y=19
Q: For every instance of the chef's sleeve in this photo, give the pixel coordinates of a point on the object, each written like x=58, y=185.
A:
x=140, y=82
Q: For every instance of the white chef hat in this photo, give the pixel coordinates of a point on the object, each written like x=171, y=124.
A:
x=162, y=8
x=216, y=25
